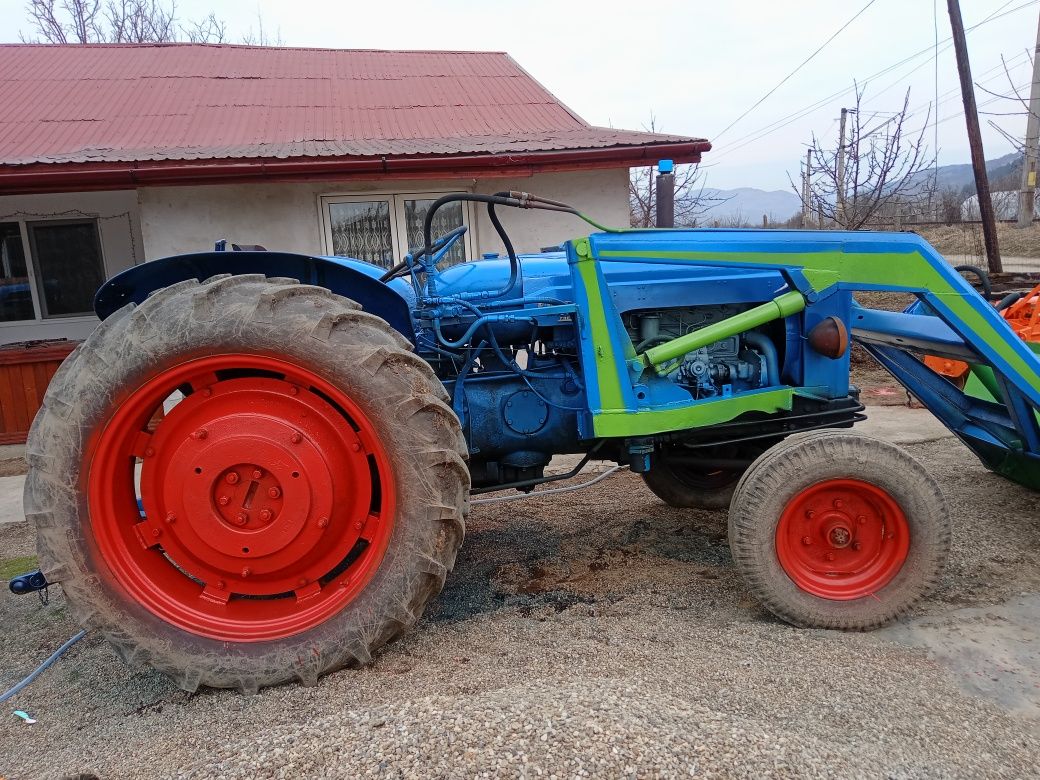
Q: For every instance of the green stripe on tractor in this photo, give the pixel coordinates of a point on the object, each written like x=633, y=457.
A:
x=695, y=415
x=895, y=271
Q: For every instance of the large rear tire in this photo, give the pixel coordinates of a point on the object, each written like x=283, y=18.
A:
x=832, y=529
x=291, y=514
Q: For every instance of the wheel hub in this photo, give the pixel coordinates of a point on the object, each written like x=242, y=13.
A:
x=249, y=487
x=842, y=539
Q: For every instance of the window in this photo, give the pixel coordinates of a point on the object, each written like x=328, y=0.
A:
x=67, y=259
x=380, y=229
x=15, y=295
x=49, y=269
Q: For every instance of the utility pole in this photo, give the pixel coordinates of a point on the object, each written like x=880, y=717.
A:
x=807, y=190
x=1027, y=194
x=839, y=212
x=978, y=157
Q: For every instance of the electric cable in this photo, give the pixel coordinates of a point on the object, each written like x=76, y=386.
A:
x=44, y=666
x=549, y=492
x=801, y=65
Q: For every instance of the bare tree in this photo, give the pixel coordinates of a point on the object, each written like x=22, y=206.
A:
x=885, y=167
x=261, y=37
x=692, y=200
x=117, y=21
x=1016, y=97
x=207, y=30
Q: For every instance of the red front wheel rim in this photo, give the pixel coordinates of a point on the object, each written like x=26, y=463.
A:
x=258, y=507
x=842, y=539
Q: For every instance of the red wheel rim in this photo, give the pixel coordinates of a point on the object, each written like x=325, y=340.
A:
x=266, y=499
x=842, y=539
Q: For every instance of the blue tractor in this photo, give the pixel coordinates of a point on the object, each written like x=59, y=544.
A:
x=258, y=467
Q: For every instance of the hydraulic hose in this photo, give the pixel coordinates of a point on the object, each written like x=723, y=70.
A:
x=43, y=667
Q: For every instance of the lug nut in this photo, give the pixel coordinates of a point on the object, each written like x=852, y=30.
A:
x=246, y=571
x=293, y=390
x=806, y=540
x=231, y=478
x=296, y=437
x=265, y=515
x=257, y=473
x=274, y=492
x=810, y=514
x=323, y=522
x=201, y=433
x=356, y=446
x=156, y=532
x=838, y=503
x=221, y=584
x=223, y=500
x=241, y=518
x=862, y=519
x=149, y=452
x=358, y=525
x=856, y=545
x=171, y=518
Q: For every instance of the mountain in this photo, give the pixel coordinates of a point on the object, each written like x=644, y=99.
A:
x=959, y=177
x=748, y=204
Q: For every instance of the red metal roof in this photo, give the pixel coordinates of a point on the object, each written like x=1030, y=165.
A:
x=144, y=109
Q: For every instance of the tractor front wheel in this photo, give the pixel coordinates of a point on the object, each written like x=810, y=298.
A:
x=832, y=529
x=246, y=481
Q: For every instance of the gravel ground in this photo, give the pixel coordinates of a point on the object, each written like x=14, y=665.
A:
x=592, y=634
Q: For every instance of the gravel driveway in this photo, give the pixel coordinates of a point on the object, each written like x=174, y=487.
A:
x=593, y=634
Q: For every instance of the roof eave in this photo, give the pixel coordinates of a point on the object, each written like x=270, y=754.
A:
x=86, y=177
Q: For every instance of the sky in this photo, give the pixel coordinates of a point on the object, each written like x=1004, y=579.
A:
x=694, y=67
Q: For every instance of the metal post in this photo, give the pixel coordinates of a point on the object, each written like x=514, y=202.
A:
x=665, y=194
x=978, y=157
x=1027, y=194
x=807, y=190
x=839, y=212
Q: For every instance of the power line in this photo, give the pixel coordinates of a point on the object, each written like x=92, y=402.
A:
x=801, y=65
x=784, y=121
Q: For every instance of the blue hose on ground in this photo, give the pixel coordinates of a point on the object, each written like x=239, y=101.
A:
x=44, y=666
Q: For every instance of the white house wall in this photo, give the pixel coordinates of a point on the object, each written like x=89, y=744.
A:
x=287, y=217
x=121, y=246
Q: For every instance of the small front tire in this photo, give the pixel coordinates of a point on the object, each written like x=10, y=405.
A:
x=832, y=529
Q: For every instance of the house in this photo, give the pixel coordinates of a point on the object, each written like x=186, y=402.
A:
x=113, y=155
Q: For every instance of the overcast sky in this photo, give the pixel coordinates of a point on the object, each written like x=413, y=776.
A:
x=696, y=66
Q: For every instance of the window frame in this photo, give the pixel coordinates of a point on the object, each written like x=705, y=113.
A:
x=398, y=223
x=39, y=300
x=32, y=271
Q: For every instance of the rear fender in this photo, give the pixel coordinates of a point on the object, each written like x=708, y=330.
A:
x=352, y=279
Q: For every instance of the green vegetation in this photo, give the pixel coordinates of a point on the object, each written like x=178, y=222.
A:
x=12, y=567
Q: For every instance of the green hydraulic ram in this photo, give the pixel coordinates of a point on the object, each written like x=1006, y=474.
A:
x=782, y=306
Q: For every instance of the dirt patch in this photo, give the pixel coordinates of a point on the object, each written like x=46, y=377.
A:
x=595, y=633
x=966, y=239
x=13, y=467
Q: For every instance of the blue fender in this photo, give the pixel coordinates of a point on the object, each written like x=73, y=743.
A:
x=352, y=279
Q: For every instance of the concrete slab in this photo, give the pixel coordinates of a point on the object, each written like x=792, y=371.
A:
x=992, y=651
x=11, y=499
x=902, y=425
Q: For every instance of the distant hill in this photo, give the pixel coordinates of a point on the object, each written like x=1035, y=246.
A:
x=961, y=177
x=748, y=204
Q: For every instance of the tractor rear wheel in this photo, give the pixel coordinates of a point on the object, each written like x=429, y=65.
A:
x=246, y=481
x=832, y=529
x=676, y=477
